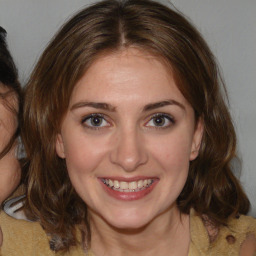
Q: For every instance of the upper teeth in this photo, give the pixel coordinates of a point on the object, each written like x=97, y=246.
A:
x=133, y=185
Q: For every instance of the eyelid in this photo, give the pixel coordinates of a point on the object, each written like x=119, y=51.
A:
x=164, y=115
x=169, y=116
x=87, y=117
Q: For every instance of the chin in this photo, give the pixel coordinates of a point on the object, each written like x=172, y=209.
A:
x=128, y=224
x=128, y=220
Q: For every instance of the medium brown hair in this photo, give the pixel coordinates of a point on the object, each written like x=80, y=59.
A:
x=107, y=26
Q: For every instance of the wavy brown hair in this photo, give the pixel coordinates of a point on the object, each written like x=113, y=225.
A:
x=109, y=26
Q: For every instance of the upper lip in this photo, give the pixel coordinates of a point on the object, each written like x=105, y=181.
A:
x=129, y=179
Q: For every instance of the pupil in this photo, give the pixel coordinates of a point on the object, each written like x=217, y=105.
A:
x=159, y=121
x=96, y=121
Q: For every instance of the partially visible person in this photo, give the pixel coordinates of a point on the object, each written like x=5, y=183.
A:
x=10, y=95
x=10, y=101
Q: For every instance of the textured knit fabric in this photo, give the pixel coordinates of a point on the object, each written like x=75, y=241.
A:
x=25, y=238
x=228, y=241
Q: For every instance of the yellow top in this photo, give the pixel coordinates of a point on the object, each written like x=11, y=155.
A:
x=25, y=238
x=228, y=241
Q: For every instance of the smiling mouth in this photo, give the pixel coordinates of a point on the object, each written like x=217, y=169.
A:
x=128, y=187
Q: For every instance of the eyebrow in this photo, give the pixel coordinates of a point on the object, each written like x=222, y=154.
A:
x=97, y=105
x=160, y=104
x=109, y=107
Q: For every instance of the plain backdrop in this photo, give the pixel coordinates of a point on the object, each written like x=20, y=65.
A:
x=229, y=27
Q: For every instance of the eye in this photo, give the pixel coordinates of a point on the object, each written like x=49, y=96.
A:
x=95, y=121
x=160, y=121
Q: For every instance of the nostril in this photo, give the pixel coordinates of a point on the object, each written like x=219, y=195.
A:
x=128, y=151
x=129, y=161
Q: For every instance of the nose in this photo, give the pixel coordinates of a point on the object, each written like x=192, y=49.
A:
x=129, y=152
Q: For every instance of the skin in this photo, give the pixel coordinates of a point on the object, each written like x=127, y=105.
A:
x=128, y=144
x=248, y=248
x=9, y=165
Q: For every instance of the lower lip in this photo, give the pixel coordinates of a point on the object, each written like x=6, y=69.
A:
x=129, y=196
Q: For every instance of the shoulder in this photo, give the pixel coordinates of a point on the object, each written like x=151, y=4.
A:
x=230, y=239
x=25, y=238
x=244, y=229
x=243, y=224
x=21, y=237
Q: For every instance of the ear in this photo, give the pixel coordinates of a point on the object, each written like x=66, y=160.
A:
x=60, y=146
x=197, y=138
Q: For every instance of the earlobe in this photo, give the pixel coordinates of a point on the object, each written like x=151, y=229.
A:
x=198, y=134
x=60, y=147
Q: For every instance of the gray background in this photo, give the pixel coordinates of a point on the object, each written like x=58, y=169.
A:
x=229, y=27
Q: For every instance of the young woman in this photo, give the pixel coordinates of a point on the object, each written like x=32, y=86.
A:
x=129, y=142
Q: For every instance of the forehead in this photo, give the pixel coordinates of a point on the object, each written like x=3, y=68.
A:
x=3, y=88
x=128, y=72
x=8, y=97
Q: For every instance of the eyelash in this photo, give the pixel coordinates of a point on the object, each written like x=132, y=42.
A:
x=103, y=118
x=96, y=115
x=162, y=115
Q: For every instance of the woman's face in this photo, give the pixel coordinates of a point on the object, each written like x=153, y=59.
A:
x=9, y=165
x=128, y=138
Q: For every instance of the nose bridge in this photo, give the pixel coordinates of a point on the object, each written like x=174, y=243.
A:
x=128, y=151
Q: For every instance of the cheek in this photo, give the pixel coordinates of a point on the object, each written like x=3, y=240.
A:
x=84, y=154
x=81, y=160
x=9, y=174
x=8, y=125
x=172, y=151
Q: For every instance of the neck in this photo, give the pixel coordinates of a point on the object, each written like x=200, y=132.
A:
x=167, y=234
